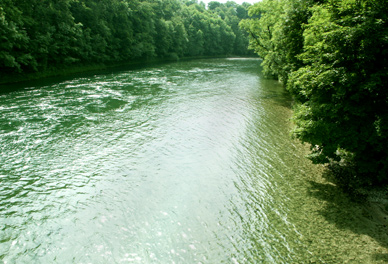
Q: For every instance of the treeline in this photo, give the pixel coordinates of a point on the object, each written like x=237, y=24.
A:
x=332, y=55
x=45, y=35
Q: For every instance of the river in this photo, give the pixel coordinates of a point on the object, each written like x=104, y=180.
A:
x=187, y=162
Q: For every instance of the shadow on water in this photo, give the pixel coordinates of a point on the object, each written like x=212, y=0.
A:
x=360, y=217
x=276, y=92
x=281, y=98
x=53, y=80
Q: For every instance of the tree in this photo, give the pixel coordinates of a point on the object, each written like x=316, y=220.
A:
x=341, y=90
x=264, y=28
x=40, y=36
x=14, y=55
x=332, y=57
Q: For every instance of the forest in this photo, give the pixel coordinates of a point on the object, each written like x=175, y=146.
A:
x=45, y=36
x=332, y=56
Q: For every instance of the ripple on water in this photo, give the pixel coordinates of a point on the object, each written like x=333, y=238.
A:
x=188, y=162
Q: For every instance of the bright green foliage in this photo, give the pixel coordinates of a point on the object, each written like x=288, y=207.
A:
x=267, y=18
x=46, y=35
x=234, y=41
x=333, y=57
x=276, y=35
x=342, y=89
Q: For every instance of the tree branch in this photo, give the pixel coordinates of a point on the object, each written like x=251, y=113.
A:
x=257, y=39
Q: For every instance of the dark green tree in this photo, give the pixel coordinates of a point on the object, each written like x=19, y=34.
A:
x=44, y=36
x=13, y=39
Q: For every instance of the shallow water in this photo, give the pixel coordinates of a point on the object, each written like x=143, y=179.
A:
x=189, y=162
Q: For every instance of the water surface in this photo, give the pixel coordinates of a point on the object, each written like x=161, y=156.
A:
x=189, y=162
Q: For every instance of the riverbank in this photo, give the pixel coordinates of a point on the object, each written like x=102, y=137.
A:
x=76, y=69
x=73, y=69
x=365, y=218
x=376, y=208
x=372, y=199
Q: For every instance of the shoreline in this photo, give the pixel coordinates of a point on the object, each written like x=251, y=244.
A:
x=74, y=69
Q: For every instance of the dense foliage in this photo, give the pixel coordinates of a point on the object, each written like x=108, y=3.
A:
x=45, y=35
x=333, y=58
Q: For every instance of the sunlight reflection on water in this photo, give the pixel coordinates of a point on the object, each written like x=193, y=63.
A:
x=187, y=162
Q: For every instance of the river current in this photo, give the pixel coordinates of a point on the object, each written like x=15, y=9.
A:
x=187, y=162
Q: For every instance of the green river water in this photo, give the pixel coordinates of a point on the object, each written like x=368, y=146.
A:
x=188, y=162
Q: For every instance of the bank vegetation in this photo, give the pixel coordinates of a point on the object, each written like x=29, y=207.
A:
x=47, y=37
x=332, y=55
